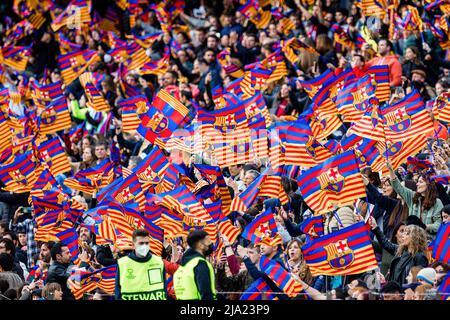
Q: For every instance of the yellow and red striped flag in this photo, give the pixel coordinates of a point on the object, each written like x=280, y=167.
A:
x=95, y=98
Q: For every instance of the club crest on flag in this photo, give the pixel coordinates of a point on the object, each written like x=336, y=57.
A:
x=251, y=110
x=224, y=124
x=398, y=120
x=97, y=277
x=18, y=177
x=322, y=122
x=393, y=148
x=241, y=146
x=339, y=254
x=148, y=175
x=331, y=180
x=48, y=116
x=158, y=122
x=263, y=231
x=125, y=195
x=358, y=153
x=359, y=99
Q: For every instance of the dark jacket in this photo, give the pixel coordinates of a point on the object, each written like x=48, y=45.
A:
x=117, y=289
x=383, y=205
x=400, y=265
x=105, y=256
x=201, y=271
x=292, y=228
x=57, y=272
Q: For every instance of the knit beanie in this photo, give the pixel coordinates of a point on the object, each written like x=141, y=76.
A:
x=428, y=275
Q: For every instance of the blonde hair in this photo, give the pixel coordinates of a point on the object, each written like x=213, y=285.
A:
x=418, y=241
x=422, y=290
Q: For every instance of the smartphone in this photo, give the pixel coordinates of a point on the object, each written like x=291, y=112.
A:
x=26, y=210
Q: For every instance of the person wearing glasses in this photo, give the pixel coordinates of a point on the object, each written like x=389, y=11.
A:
x=141, y=275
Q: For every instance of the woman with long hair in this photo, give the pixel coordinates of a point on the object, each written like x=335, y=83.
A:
x=296, y=262
x=422, y=203
x=409, y=252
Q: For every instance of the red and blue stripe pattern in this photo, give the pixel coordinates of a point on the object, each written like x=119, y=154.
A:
x=365, y=149
x=263, y=226
x=337, y=180
x=280, y=277
x=20, y=175
x=407, y=118
x=245, y=199
x=132, y=109
x=313, y=226
x=257, y=290
x=70, y=238
x=444, y=288
x=43, y=95
x=74, y=63
x=344, y=252
x=53, y=153
x=441, y=249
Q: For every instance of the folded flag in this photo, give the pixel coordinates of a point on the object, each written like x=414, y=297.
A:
x=336, y=181
x=344, y=252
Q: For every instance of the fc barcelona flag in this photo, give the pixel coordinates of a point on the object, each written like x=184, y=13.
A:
x=52, y=153
x=163, y=119
x=244, y=201
x=365, y=149
x=313, y=226
x=344, y=252
x=132, y=109
x=263, y=226
x=15, y=57
x=73, y=64
x=77, y=13
x=82, y=281
x=43, y=95
x=397, y=152
x=55, y=117
x=370, y=125
x=441, y=107
x=70, y=238
x=95, y=98
x=444, y=288
x=257, y=290
x=336, y=180
x=20, y=175
x=441, y=249
x=130, y=191
x=280, y=277
x=407, y=118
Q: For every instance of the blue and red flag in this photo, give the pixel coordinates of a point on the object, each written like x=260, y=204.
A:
x=444, y=288
x=245, y=199
x=263, y=226
x=280, y=277
x=132, y=110
x=441, y=248
x=70, y=238
x=43, y=95
x=20, y=175
x=344, y=252
x=74, y=63
x=258, y=290
x=313, y=226
x=336, y=181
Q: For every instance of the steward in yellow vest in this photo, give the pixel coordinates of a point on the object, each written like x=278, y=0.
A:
x=194, y=278
x=141, y=275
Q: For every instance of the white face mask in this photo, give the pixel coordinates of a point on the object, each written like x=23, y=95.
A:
x=141, y=251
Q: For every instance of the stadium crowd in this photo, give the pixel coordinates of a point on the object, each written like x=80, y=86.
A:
x=196, y=52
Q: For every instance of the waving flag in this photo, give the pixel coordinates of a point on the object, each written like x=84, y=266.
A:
x=370, y=124
x=224, y=59
x=373, y=8
x=73, y=64
x=66, y=45
x=53, y=153
x=70, y=238
x=365, y=149
x=19, y=176
x=92, y=179
x=258, y=290
x=77, y=13
x=55, y=117
x=166, y=114
x=441, y=107
x=19, y=30
x=313, y=226
x=344, y=252
x=95, y=98
x=132, y=109
x=407, y=118
x=441, y=249
x=145, y=41
x=397, y=152
x=275, y=61
x=136, y=56
x=5, y=133
x=263, y=226
x=335, y=181
x=82, y=281
x=245, y=199
x=293, y=47
x=15, y=57
x=280, y=277
x=43, y=95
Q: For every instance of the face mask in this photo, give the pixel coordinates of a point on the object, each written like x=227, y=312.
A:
x=209, y=250
x=141, y=251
